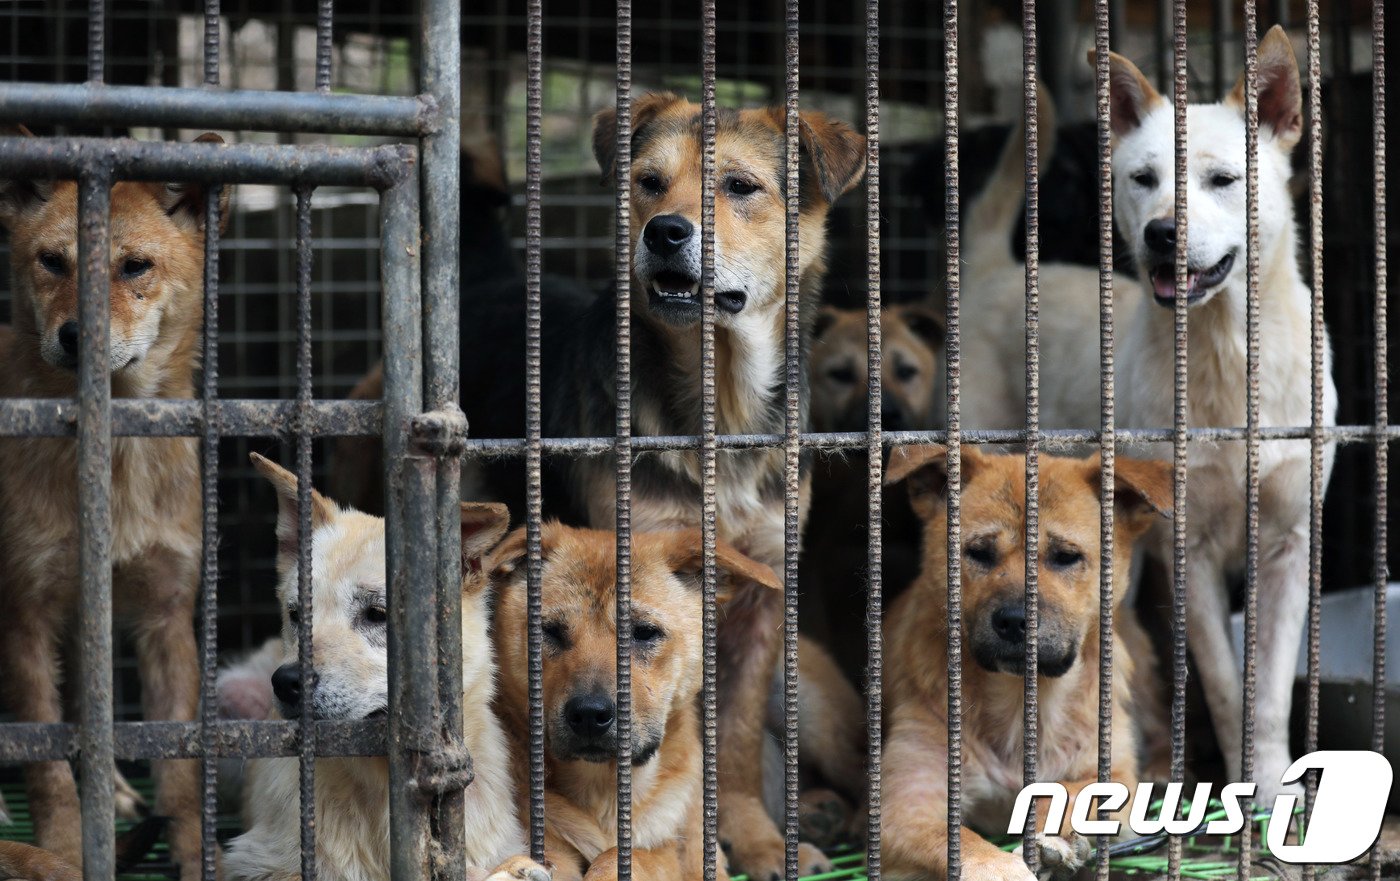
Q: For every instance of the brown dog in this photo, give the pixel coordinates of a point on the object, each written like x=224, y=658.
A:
x=157, y=271
x=993, y=567
x=910, y=381
x=580, y=670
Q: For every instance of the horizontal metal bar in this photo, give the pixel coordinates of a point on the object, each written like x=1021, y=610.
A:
x=233, y=110
x=66, y=158
x=33, y=742
x=1050, y=439
x=144, y=417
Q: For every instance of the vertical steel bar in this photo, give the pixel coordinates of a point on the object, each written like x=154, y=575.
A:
x=792, y=427
x=623, y=444
x=410, y=558
x=1179, y=427
x=874, y=447
x=709, y=506
x=306, y=742
x=1382, y=381
x=1108, y=450
x=440, y=197
x=953, y=363
x=325, y=19
x=97, y=41
x=534, y=92
x=1251, y=591
x=1318, y=342
x=212, y=33
x=1031, y=711
x=95, y=522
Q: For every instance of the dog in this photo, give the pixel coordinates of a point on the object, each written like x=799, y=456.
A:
x=157, y=273
x=915, y=831
x=352, y=682
x=1143, y=187
x=580, y=671
x=24, y=862
x=578, y=368
x=911, y=381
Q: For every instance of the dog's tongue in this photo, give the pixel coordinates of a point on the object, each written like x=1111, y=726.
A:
x=1164, y=283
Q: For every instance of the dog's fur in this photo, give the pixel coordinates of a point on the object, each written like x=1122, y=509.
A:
x=352, y=682
x=157, y=271
x=578, y=590
x=579, y=379
x=24, y=862
x=1143, y=172
x=911, y=380
x=993, y=585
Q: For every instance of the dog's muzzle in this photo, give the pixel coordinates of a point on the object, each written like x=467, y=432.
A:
x=1159, y=237
x=999, y=642
x=587, y=731
x=671, y=272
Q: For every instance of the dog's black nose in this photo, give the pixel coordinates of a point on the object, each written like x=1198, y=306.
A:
x=68, y=338
x=589, y=715
x=1010, y=623
x=286, y=683
x=665, y=233
x=1160, y=235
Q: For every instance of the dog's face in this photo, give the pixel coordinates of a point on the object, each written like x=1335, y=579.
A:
x=157, y=259
x=578, y=591
x=749, y=203
x=993, y=544
x=911, y=380
x=1144, y=173
x=349, y=633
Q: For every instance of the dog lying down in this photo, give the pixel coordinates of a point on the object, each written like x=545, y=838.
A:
x=351, y=654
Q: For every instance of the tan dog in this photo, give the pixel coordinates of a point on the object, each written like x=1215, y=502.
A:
x=911, y=380
x=580, y=670
x=23, y=862
x=993, y=566
x=351, y=661
x=157, y=272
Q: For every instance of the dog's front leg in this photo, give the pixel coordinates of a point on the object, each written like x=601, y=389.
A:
x=1208, y=630
x=164, y=584
x=29, y=657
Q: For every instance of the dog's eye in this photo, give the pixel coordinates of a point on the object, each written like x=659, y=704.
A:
x=983, y=553
x=905, y=372
x=1222, y=179
x=1065, y=558
x=376, y=615
x=740, y=187
x=1145, y=178
x=650, y=182
x=293, y=616
x=135, y=266
x=644, y=632
x=844, y=374
x=555, y=632
x=53, y=262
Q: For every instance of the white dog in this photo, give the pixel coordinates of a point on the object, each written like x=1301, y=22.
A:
x=351, y=661
x=1143, y=189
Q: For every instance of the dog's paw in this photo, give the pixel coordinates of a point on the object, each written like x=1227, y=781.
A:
x=519, y=868
x=811, y=861
x=823, y=817
x=127, y=802
x=1061, y=857
x=997, y=866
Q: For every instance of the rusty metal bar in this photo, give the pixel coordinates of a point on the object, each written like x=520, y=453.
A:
x=534, y=100
x=95, y=522
x=709, y=505
x=144, y=417
x=953, y=362
x=1031, y=704
x=239, y=110
x=97, y=42
x=306, y=617
x=325, y=21
x=212, y=39
x=622, y=451
x=1382, y=387
x=26, y=742
x=1251, y=590
x=874, y=449
x=378, y=167
x=1179, y=426
x=793, y=379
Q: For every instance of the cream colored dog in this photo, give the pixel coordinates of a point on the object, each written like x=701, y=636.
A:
x=1143, y=191
x=351, y=660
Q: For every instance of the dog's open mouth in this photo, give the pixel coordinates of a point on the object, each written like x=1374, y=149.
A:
x=1198, y=282
x=678, y=294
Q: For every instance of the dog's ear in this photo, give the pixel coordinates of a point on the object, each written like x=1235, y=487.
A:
x=1142, y=489
x=185, y=203
x=288, y=519
x=510, y=554
x=826, y=317
x=19, y=197
x=924, y=469
x=483, y=524
x=926, y=323
x=833, y=151
x=1280, y=92
x=684, y=554
x=644, y=110
x=1130, y=96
